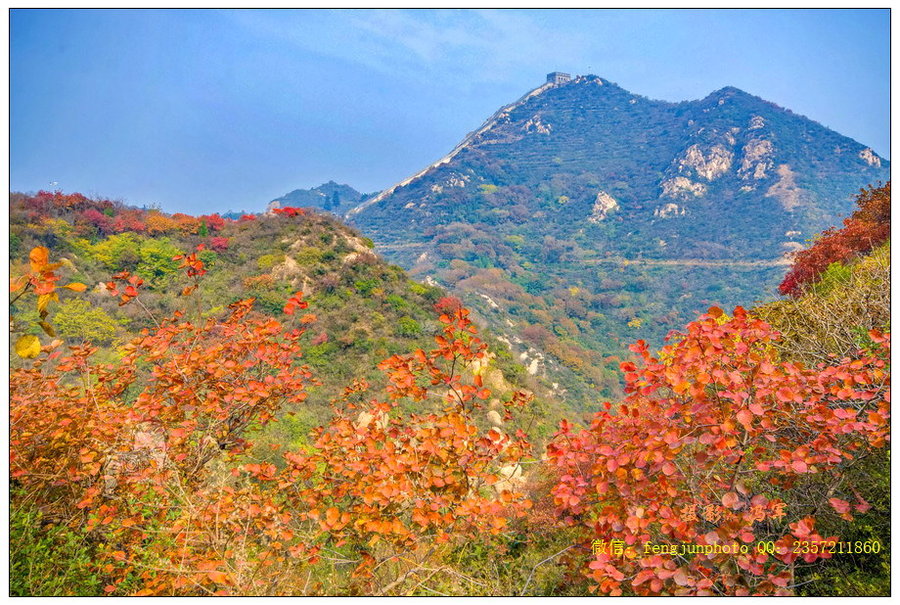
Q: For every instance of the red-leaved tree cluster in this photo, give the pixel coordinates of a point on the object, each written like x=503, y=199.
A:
x=866, y=228
x=148, y=456
x=711, y=447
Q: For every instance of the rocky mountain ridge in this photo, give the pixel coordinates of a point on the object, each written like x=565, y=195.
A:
x=590, y=215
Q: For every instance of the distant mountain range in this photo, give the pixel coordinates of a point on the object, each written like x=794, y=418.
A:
x=583, y=216
x=330, y=196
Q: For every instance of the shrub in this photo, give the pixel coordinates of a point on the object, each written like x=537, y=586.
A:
x=267, y=261
x=407, y=326
x=866, y=229
x=79, y=319
x=47, y=559
x=720, y=442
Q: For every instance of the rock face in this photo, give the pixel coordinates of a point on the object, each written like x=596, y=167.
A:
x=668, y=211
x=681, y=188
x=786, y=191
x=708, y=164
x=604, y=203
x=868, y=156
x=756, y=160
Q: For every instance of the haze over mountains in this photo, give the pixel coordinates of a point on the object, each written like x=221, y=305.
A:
x=583, y=216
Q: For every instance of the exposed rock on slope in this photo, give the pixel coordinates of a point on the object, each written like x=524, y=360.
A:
x=582, y=207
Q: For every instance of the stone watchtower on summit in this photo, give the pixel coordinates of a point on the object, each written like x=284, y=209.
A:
x=558, y=77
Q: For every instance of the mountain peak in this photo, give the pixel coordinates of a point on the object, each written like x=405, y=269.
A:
x=581, y=187
x=331, y=196
x=731, y=90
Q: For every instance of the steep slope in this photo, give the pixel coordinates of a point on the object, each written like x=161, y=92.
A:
x=583, y=216
x=366, y=310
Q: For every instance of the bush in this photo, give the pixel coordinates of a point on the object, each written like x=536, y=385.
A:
x=397, y=302
x=48, y=560
x=77, y=318
x=407, y=326
x=866, y=229
x=267, y=261
x=156, y=259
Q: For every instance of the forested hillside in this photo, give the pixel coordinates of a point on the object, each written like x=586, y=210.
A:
x=365, y=309
x=262, y=406
x=583, y=217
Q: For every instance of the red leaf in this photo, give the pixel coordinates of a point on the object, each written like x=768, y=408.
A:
x=841, y=506
x=745, y=417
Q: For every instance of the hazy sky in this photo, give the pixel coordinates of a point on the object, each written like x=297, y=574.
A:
x=203, y=111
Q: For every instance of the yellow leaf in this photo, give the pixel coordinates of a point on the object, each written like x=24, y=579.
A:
x=39, y=258
x=76, y=287
x=28, y=346
x=44, y=300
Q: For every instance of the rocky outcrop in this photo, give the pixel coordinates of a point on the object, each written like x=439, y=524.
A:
x=535, y=125
x=869, y=157
x=668, y=211
x=511, y=478
x=494, y=418
x=604, y=203
x=756, y=159
x=786, y=191
x=682, y=188
x=709, y=164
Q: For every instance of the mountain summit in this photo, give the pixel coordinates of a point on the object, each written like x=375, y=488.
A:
x=701, y=173
x=329, y=196
x=583, y=216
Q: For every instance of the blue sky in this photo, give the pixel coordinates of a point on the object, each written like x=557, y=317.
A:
x=202, y=111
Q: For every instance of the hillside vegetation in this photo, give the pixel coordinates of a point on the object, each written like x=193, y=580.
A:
x=584, y=217
x=365, y=309
x=178, y=428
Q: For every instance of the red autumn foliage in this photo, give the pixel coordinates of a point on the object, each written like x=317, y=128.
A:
x=866, y=228
x=713, y=424
x=137, y=455
x=129, y=220
x=214, y=222
x=102, y=222
x=448, y=305
x=219, y=244
x=289, y=211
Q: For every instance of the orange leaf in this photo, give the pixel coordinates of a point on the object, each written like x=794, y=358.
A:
x=16, y=283
x=39, y=258
x=332, y=515
x=218, y=577
x=745, y=417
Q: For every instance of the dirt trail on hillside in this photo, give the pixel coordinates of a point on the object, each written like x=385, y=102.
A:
x=675, y=262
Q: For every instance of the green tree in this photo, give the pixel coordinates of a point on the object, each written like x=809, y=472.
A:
x=156, y=259
x=78, y=318
x=407, y=326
